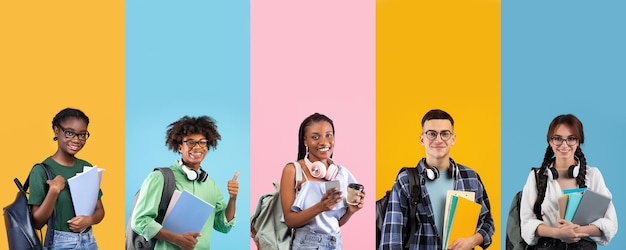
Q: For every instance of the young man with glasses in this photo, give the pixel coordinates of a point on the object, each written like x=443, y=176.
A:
x=437, y=138
x=192, y=137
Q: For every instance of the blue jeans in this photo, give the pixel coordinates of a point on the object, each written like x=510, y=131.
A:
x=304, y=240
x=77, y=241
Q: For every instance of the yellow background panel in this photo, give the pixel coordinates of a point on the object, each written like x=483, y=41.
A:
x=445, y=55
x=55, y=55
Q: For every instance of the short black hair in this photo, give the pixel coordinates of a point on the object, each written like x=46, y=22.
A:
x=437, y=114
x=68, y=113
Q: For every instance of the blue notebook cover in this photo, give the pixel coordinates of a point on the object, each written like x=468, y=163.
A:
x=188, y=214
x=572, y=205
x=84, y=189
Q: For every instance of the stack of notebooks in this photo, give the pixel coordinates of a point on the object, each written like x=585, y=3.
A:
x=461, y=216
x=84, y=189
x=582, y=206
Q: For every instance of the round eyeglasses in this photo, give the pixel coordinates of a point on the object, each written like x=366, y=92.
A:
x=192, y=143
x=558, y=140
x=69, y=134
x=432, y=134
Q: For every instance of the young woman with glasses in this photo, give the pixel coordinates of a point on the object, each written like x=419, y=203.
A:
x=564, y=167
x=70, y=231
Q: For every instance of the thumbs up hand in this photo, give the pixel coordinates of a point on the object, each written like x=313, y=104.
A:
x=233, y=186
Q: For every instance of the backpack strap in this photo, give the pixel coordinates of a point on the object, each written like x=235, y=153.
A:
x=415, y=189
x=169, y=185
x=49, y=239
x=299, y=174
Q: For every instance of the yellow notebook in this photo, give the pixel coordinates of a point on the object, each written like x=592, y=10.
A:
x=467, y=194
x=463, y=219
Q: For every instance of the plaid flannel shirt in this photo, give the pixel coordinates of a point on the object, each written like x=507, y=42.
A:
x=426, y=234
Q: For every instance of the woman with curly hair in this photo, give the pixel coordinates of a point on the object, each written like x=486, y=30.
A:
x=192, y=137
x=564, y=167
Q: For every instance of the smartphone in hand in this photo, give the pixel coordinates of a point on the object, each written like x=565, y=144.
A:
x=332, y=184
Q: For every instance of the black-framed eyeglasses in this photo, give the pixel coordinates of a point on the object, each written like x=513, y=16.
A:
x=432, y=134
x=191, y=143
x=69, y=134
x=558, y=140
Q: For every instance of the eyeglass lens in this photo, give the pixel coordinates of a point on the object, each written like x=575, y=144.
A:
x=192, y=143
x=571, y=141
x=432, y=135
x=70, y=134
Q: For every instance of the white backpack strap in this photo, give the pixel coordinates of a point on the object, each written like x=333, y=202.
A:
x=299, y=174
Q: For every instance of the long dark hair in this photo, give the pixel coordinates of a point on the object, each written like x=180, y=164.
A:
x=317, y=117
x=542, y=181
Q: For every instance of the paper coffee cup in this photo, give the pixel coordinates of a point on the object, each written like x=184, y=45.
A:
x=354, y=193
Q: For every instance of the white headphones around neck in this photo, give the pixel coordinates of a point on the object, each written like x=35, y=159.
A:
x=193, y=175
x=318, y=169
x=432, y=173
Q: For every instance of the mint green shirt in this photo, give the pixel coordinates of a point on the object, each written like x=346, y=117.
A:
x=64, y=208
x=147, y=206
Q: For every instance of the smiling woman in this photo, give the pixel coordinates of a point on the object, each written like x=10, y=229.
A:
x=70, y=231
x=564, y=167
x=315, y=208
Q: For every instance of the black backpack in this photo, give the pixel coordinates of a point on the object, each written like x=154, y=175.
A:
x=381, y=208
x=136, y=241
x=21, y=233
x=514, y=239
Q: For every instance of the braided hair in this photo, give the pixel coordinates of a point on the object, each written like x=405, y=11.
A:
x=542, y=179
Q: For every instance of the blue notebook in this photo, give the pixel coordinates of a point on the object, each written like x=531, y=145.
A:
x=186, y=213
x=85, y=188
x=572, y=205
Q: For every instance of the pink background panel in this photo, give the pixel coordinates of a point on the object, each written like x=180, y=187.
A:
x=309, y=57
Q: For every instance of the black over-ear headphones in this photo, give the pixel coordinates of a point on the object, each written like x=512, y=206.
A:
x=193, y=175
x=432, y=173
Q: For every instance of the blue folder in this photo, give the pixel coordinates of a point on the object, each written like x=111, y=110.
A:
x=84, y=189
x=188, y=214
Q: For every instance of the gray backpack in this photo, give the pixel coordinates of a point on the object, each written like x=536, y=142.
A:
x=514, y=239
x=135, y=241
x=266, y=227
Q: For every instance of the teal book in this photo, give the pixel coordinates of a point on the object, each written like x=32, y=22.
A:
x=446, y=232
x=572, y=205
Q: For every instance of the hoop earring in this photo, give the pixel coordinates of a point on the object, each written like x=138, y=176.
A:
x=55, y=138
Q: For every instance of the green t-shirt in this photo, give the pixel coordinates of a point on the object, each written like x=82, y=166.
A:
x=37, y=191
